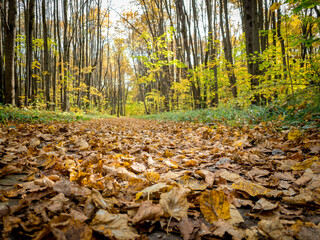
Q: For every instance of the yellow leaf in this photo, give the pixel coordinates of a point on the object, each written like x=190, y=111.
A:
x=168, y=154
x=275, y=6
x=305, y=164
x=214, y=205
x=294, y=135
x=250, y=188
x=152, y=176
x=51, y=129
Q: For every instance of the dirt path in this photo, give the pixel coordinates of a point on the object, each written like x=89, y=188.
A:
x=124, y=178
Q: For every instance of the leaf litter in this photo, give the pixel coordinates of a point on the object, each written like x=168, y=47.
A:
x=138, y=179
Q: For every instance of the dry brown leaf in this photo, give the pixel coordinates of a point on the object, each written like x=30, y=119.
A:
x=222, y=228
x=229, y=176
x=113, y=225
x=300, y=199
x=175, y=202
x=148, y=211
x=186, y=227
x=258, y=172
x=150, y=190
x=264, y=205
x=194, y=185
x=275, y=230
x=78, y=215
x=138, y=167
x=208, y=176
x=121, y=172
x=236, y=217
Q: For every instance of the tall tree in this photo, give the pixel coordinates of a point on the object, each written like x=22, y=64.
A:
x=10, y=36
x=251, y=30
x=225, y=32
x=29, y=27
x=46, y=55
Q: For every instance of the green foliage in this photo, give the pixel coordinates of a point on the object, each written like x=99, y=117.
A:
x=306, y=114
x=12, y=114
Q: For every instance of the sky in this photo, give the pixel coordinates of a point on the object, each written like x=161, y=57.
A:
x=116, y=4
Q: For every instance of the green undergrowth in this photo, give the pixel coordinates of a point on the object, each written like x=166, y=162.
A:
x=305, y=115
x=13, y=114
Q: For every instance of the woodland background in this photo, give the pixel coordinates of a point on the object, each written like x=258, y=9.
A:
x=159, y=55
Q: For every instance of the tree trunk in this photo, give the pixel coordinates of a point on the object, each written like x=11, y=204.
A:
x=29, y=19
x=227, y=47
x=10, y=37
x=46, y=55
x=251, y=29
x=65, y=57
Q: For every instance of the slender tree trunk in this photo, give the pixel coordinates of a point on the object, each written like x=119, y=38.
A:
x=10, y=36
x=46, y=55
x=29, y=22
x=65, y=57
x=1, y=58
x=228, y=47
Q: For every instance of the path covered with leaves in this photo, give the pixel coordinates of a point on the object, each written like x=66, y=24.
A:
x=138, y=179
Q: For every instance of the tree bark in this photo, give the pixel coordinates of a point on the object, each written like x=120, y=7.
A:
x=10, y=37
x=29, y=20
x=46, y=55
x=228, y=47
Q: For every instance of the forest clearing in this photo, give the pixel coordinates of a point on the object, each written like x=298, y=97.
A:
x=160, y=119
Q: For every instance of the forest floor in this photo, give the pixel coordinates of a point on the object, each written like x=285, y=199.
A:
x=123, y=178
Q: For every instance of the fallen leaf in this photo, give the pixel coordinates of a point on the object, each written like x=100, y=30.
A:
x=186, y=227
x=214, y=205
x=175, y=202
x=306, y=177
x=275, y=230
x=229, y=176
x=251, y=188
x=264, y=205
x=138, y=167
x=207, y=175
x=147, y=211
x=195, y=185
x=152, y=189
x=113, y=225
x=305, y=164
x=236, y=217
x=222, y=228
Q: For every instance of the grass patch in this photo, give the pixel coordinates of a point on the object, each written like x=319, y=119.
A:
x=305, y=115
x=13, y=114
